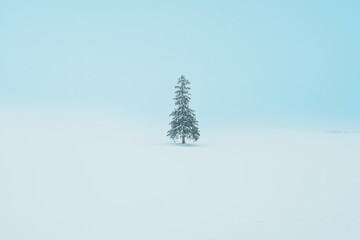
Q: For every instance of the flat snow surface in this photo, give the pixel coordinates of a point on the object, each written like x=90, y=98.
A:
x=84, y=178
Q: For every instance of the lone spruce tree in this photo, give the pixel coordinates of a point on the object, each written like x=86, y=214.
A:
x=184, y=123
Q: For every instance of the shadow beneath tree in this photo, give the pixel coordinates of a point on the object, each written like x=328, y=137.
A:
x=184, y=145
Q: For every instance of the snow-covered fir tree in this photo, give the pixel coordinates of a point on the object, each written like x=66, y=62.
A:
x=184, y=123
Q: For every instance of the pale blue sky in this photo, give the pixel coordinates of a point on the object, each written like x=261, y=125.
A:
x=248, y=61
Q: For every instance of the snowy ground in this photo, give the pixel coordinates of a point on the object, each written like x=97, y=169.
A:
x=75, y=178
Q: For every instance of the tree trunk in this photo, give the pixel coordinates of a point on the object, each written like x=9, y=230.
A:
x=183, y=139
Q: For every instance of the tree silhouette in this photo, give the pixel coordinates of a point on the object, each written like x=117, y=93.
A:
x=184, y=123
